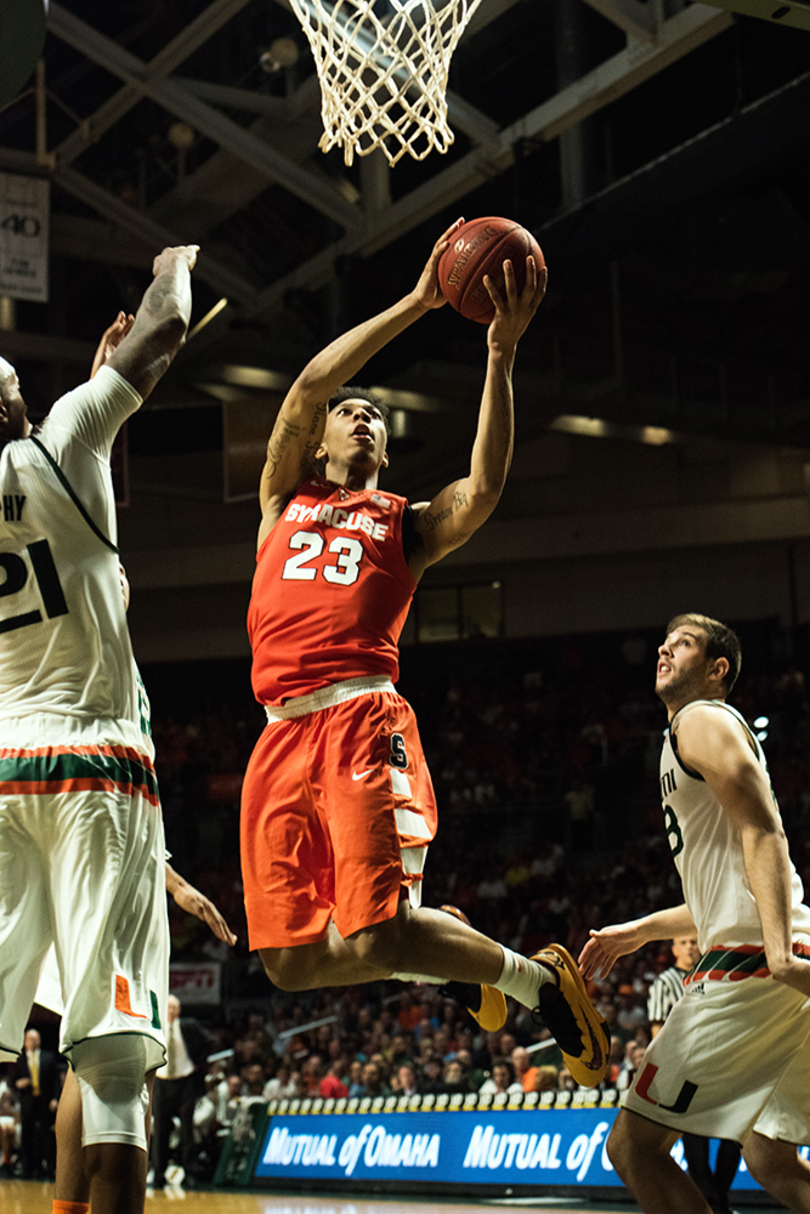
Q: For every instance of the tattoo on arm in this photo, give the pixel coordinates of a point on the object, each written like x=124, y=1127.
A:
x=284, y=434
x=313, y=439
x=433, y=520
x=460, y=500
x=287, y=434
x=318, y=417
x=156, y=296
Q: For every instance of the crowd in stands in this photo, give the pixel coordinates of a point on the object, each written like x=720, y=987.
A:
x=544, y=757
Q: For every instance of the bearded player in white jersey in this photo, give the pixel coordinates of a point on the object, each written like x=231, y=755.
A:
x=82, y=854
x=731, y=1059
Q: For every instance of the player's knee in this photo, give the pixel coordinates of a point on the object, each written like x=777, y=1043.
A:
x=111, y=1072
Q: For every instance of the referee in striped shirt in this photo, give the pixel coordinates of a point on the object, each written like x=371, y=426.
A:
x=667, y=988
x=664, y=993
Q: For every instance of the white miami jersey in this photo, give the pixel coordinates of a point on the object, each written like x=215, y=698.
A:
x=64, y=642
x=707, y=849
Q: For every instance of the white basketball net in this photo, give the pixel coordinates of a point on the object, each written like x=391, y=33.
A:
x=383, y=81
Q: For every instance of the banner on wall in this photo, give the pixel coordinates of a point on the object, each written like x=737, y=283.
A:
x=563, y=1148
x=24, y=227
x=196, y=983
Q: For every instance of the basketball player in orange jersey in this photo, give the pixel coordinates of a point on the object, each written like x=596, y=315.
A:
x=338, y=806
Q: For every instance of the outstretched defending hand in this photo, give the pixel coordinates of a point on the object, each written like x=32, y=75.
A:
x=513, y=314
x=427, y=291
x=193, y=902
x=111, y=339
x=605, y=947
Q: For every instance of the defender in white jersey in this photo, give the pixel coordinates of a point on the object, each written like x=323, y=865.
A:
x=731, y=1059
x=81, y=838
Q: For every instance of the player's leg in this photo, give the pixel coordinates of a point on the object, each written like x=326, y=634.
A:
x=108, y=880
x=25, y=909
x=640, y=1152
x=696, y=1153
x=433, y=943
x=117, y=1176
x=769, y=1150
x=380, y=826
x=72, y=1184
x=111, y=1073
x=726, y=1166
x=328, y=962
x=72, y=1189
x=374, y=793
x=779, y=1168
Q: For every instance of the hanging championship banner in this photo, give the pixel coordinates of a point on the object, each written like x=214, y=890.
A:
x=24, y=227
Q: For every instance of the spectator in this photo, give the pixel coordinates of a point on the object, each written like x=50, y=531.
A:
x=373, y=1084
x=178, y=1085
x=281, y=1085
x=502, y=1079
x=633, y=1054
x=546, y=1078
x=35, y=1078
x=9, y=1125
x=312, y=1072
x=356, y=1078
x=332, y=1084
x=431, y=1079
x=524, y=1071
x=228, y=1101
x=406, y=1080
x=454, y=1078
x=253, y=1081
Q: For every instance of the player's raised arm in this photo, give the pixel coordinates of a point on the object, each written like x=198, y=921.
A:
x=298, y=428
x=460, y=508
x=161, y=321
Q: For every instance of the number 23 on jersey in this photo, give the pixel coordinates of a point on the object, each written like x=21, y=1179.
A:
x=304, y=566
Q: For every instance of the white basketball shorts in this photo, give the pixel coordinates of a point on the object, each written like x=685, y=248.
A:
x=82, y=868
x=730, y=1058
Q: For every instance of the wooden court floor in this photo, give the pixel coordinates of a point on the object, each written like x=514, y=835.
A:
x=34, y=1197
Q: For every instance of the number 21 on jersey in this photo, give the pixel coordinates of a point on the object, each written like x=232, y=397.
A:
x=15, y=575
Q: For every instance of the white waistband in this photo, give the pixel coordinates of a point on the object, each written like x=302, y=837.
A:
x=327, y=697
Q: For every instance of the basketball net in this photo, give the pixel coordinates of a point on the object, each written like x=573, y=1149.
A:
x=384, y=81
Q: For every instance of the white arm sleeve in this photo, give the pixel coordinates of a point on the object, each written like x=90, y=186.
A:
x=93, y=413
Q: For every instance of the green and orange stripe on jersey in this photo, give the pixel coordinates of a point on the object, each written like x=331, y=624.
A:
x=49, y=770
x=734, y=964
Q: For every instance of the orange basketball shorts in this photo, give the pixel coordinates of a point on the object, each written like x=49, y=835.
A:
x=337, y=812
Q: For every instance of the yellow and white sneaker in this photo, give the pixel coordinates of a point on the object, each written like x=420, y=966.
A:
x=575, y=1024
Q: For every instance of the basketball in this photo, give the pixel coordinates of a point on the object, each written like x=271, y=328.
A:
x=480, y=247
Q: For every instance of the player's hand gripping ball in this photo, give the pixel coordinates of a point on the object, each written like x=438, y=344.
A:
x=480, y=247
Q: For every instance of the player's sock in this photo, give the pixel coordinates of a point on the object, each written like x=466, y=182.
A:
x=521, y=978
x=71, y=1207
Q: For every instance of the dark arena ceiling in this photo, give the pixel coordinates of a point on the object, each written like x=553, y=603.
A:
x=659, y=151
